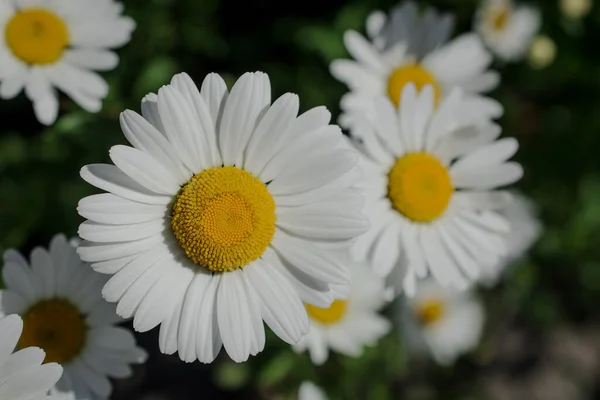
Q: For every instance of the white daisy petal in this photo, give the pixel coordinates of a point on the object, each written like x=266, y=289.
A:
x=240, y=117
x=100, y=60
x=192, y=305
x=493, y=154
x=362, y=51
x=206, y=126
x=318, y=264
x=112, y=179
x=281, y=307
x=208, y=338
x=271, y=132
x=106, y=208
x=488, y=177
x=214, y=92
x=239, y=317
x=181, y=124
x=146, y=137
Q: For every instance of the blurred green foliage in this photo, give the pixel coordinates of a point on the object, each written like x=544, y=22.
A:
x=553, y=112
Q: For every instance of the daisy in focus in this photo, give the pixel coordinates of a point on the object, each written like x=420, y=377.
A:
x=525, y=229
x=429, y=187
x=310, y=391
x=228, y=210
x=48, y=46
x=64, y=314
x=350, y=324
x=506, y=28
x=408, y=47
x=449, y=322
x=22, y=375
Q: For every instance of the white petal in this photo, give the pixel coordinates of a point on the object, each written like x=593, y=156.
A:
x=96, y=59
x=192, y=303
x=96, y=232
x=271, y=132
x=362, y=51
x=144, y=169
x=317, y=263
x=240, y=117
x=144, y=136
x=281, y=307
x=119, y=283
x=106, y=208
x=488, y=177
x=493, y=154
x=238, y=314
x=95, y=252
x=111, y=179
x=214, y=92
x=207, y=125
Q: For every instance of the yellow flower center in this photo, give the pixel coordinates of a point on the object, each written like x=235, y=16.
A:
x=57, y=327
x=419, y=187
x=430, y=312
x=224, y=218
x=37, y=36
x=330, y=315
x=414, y=73
x=498, y=17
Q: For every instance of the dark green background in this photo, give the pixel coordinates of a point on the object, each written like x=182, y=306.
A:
x=543, y=317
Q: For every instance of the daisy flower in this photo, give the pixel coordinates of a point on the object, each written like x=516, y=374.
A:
x=449, y=322
x=407, y=47
x=228, y=210
x=63, y=313
x=422, y=33
x=428, y=184
x=56, y=45
x=22, y=375
x=507, y=29
x=525, y=229
x=350, y=324
x=310, y=391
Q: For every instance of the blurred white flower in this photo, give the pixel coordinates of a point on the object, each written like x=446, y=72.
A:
x=449, y=322
x=576, y=8
x=348, y=325
x=429, y=191
x=64, y=314
x=47, y=45
x=310, y=391
x=228, y=207
x=525, y=229
x=542, y=52
x=409, y=47
x=22, y=375
x=507, y=28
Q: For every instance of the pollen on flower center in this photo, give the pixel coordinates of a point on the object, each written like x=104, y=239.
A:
x=57, y=327
x=430, y=312
x=330, y=315
x=419, y=187
x=37, y=36
x=405, y=74
x=499, y=17
x=224, y=218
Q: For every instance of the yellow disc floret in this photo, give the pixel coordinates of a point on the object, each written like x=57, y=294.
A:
x=429, y=312
x=37, y=36
x=498, y=16
x=419, y=187
x=414, y=73
x=330, y=315
x=224, y=218
x=57, y=327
